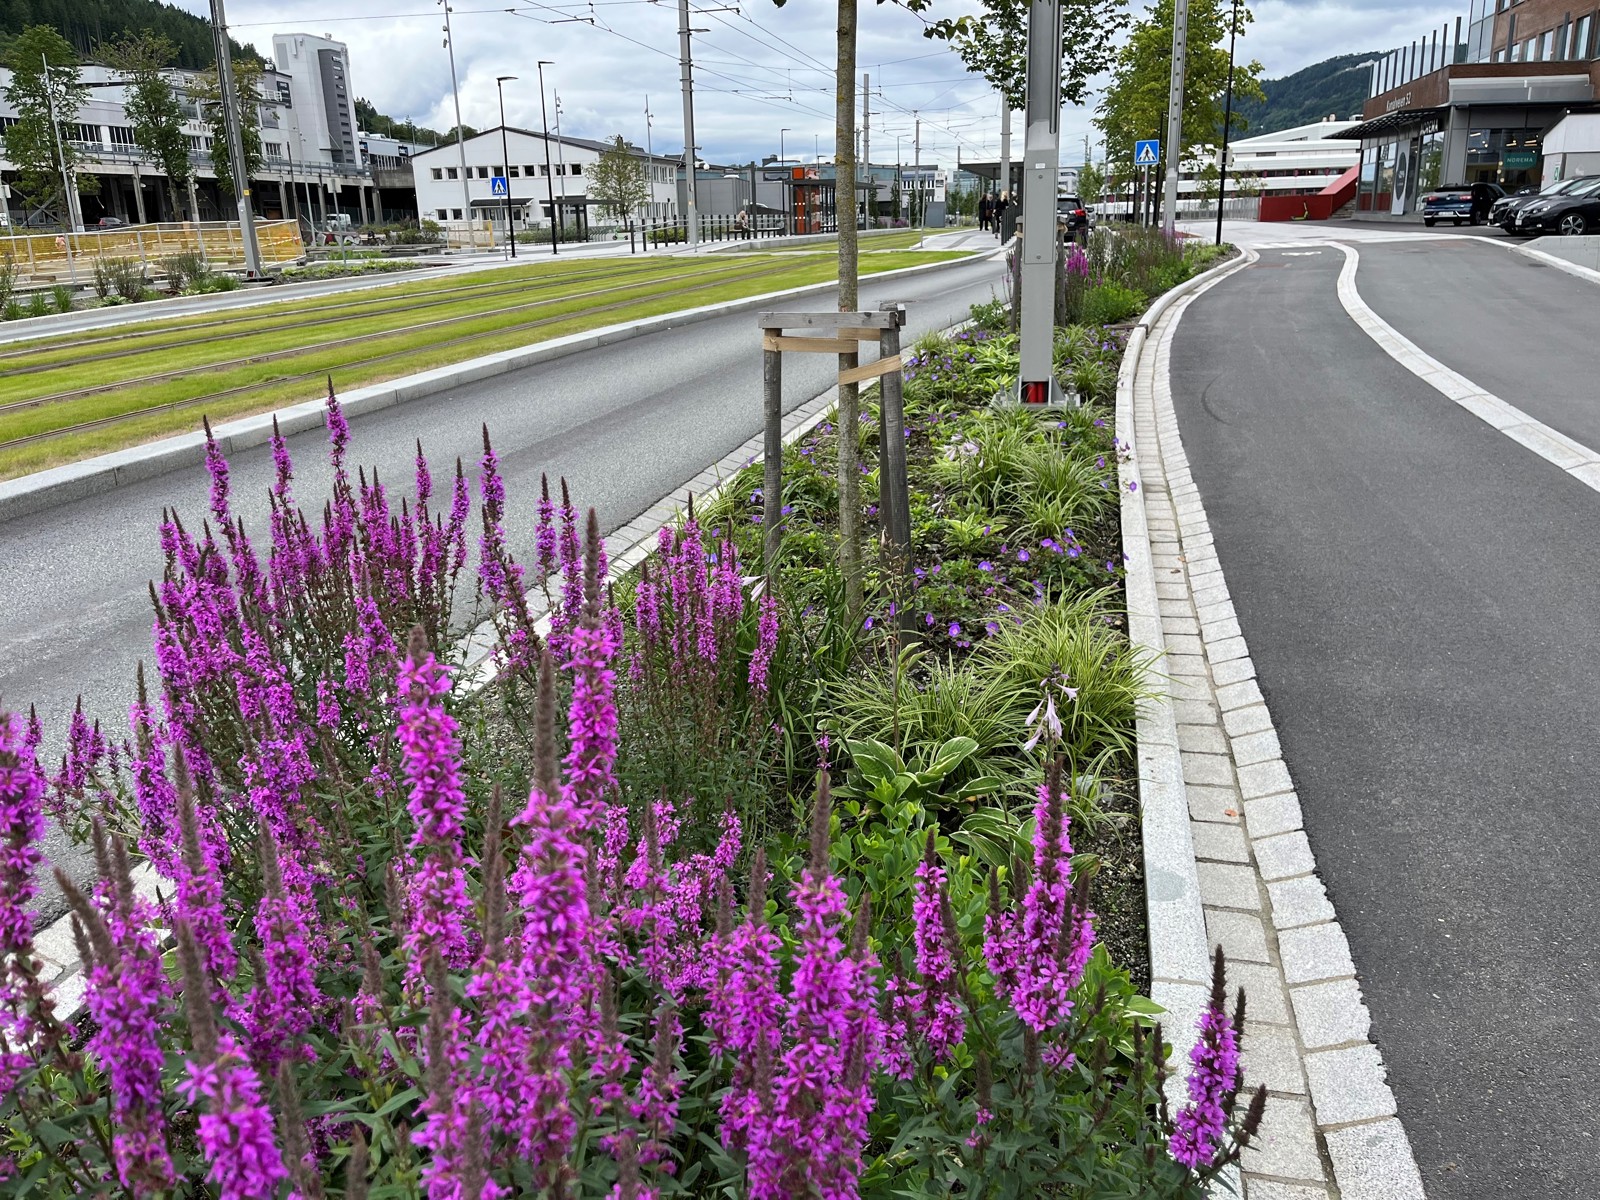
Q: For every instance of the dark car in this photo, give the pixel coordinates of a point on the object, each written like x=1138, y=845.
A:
x=1573, y=213
x=1460, y=202
x=1505, y=209
x=110, y=223
x=1074, y=214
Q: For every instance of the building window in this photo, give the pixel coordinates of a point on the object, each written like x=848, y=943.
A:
x=1530, y=49
x=438, y=173
x=1547, y=48
x=514, y=174
x=121, y=135
x=1580, y=38
x=273, y=149
x=577, y=168
x=444, y=213
x=483, y=172
x=497, y=169
x=450, y=173
x=544, y=169
x=456, y=213
x=530, y=171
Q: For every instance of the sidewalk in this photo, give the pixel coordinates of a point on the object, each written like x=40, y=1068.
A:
x=1330, y=1128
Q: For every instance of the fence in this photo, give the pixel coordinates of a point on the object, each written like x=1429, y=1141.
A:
x=69, y=257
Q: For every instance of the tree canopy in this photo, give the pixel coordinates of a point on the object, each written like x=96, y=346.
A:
x=246, y=82
x=1135, y=104
x=90, y=25
x=995, y=44
x=618, y=180
x=31, y=142
x=153, y=106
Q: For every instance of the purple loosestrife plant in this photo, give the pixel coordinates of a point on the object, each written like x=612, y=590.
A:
x=22, y=791
x=430, y=752
x=1200, y=1128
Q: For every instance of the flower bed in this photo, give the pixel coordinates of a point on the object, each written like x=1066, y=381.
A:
x=788, y=904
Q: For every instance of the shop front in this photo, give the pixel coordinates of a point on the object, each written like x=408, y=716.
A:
x=1465, y=123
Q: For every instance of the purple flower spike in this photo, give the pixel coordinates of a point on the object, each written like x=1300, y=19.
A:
x=1213, y=1079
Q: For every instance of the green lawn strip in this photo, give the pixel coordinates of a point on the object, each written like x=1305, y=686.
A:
x=38, y=456
x=277, y=335
x=256, y=318
x=900, y=240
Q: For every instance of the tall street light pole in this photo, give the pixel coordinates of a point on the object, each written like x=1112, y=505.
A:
x=1227, y=120
x=685, y=56
x=781, y=132
x=461, y=138
x=550, y=180
x=505, y=167
x=231, y=124
x=1180, y=55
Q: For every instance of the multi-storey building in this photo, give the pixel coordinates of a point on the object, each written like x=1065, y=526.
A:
x=316, y=163
x=540, y=172
x=1477, y=102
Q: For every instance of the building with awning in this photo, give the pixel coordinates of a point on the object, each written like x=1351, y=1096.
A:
x=1475, y=106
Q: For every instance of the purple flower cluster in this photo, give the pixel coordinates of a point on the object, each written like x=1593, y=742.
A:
x=1213, y=1082
x=235, y=1128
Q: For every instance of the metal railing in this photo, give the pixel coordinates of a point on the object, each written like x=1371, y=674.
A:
x=70, y=257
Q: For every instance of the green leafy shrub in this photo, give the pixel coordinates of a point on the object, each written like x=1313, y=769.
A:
x=122, y=278
x=61, y=294
x=8, y=283
x=1111, y=304
x=185, y=270
x=38, y=305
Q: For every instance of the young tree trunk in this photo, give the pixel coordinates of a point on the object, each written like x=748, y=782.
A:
x=845, y=209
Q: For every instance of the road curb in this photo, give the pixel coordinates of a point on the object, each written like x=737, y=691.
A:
x=29, y=494
x=1577, y=270
x=1331, y=1127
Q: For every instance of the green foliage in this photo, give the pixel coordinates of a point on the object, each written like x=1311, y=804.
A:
x=122, y=278
x=207, y=91
x=185, y=269
x=1091, y=183
x=61, y=294
x=8, y=281
x=1111, y=304
x=30, y=141
x=87, y=25
x=617, y=181
x=153, y=107
x=994, y=44
x=1132, y=106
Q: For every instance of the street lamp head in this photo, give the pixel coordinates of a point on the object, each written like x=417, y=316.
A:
x=504, y=78
x=547, y=62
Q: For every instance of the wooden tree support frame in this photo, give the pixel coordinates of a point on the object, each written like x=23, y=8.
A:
x=839, y=333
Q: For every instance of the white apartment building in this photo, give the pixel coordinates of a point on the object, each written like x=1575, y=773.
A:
x=445, y=195
x=315, y=161
x=1297, y=161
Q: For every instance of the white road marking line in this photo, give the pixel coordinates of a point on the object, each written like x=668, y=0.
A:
x=1573, y=457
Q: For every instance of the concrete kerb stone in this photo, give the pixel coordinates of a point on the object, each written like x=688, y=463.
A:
x=1299, y=953
x=29, y=494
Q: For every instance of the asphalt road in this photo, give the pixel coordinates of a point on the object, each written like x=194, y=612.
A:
x=625, y=425
x=1419, y=595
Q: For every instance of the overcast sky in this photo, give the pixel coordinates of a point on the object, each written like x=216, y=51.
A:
x=758, y=68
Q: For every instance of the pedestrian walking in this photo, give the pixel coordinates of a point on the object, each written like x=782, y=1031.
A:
x=1001, y=204
x=985, y=210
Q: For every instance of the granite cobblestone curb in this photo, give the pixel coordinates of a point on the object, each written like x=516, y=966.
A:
x=1227, y=861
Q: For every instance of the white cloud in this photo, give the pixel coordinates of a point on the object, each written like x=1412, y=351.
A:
x=758, y=69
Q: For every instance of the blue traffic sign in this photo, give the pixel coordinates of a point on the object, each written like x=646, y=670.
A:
x=1147, y=153
x=497, y=186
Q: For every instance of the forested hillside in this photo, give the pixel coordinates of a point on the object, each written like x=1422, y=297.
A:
x=1334, y=87
x=90, y=23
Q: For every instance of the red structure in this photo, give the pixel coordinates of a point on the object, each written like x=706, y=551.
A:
x=1312, y=208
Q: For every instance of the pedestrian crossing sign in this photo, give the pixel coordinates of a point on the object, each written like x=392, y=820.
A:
x=1147, y=153
x=497, y=186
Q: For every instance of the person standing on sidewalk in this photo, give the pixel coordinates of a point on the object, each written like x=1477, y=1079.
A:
x=985, y=210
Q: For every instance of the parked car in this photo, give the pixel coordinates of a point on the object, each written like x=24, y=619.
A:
x=1506, y=208
x=110, y=223
x=1573, y=213
x=1460, y=202
x=1072, y=211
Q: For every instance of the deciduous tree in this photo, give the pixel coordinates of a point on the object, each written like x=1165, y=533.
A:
x=153, y=107
x=617, y=180
x=995, y=44
x=208, y=92
x=31, y=142
x=1136, y=101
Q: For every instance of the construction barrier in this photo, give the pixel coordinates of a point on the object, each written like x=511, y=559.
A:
x=69, y=257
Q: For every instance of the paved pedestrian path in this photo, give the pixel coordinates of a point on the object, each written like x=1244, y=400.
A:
x=1330, y=1128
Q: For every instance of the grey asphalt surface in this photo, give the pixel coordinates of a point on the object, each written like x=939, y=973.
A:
x=1419, y=600
x=1525, y=330
x=624, y=424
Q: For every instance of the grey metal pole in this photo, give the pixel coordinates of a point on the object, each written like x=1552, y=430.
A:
x=896, y=495
x=561, y=154
x=691, y=214
x=1005, y=153
x=1227, y=120
x=866, y=150
x=1041, y=243
x=772, y=450
x=461, y=138
x=505, y=167
x=916, y=172
x=549, y=179
x=68, y=188
x=1180, y=51
x=233, y=124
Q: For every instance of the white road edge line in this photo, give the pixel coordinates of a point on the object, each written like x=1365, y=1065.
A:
x=1578, y=270
x=1573, y=457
